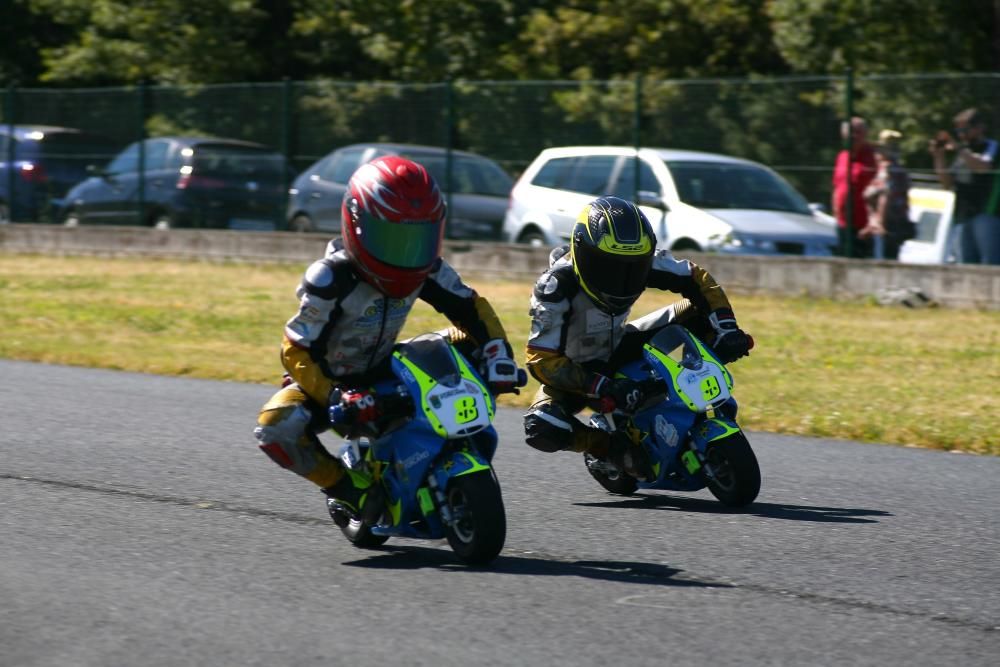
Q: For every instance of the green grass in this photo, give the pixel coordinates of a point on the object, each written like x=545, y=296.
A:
x=853, y=370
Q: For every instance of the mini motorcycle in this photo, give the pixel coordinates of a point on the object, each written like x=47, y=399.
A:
x=687, y=424
x=428, y=455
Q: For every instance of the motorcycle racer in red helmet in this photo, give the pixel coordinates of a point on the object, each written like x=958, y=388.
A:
x=353, y=304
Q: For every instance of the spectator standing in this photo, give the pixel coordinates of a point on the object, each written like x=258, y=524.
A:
x=853, y=171
x=887, y=197
x=973, y=176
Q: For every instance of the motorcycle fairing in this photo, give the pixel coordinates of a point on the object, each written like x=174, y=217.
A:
x=456, y=405
x=693, y=373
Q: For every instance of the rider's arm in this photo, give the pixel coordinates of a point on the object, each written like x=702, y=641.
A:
x=319, y=293
x=689, y=280
x=308, y=374
x=546, y=361
x=462, y=305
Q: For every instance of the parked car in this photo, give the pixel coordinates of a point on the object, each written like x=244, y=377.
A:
x=695, y=201
x=48, y=160
x=188, y=182
x=479, y=192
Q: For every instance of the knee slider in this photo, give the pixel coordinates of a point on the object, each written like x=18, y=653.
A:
x=276, y=453
x=548, y=430
x=283, y=435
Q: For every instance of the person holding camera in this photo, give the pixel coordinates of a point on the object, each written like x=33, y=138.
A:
x=973, y=176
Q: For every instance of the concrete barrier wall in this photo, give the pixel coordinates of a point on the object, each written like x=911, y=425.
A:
x=949, y=285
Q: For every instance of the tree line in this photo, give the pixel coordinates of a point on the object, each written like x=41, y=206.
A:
x=744, y=77
x=119, y=42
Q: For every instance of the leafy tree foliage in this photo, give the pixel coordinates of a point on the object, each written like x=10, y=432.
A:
x=376, y=69
x=874, y=36
x=166, y=41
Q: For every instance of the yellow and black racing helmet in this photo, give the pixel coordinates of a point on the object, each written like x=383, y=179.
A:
x=612, y=248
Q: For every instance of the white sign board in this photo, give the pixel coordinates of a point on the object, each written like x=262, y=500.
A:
x=931, y=210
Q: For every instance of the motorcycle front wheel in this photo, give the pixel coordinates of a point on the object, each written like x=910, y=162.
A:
x=479, y=529
x=735, y=479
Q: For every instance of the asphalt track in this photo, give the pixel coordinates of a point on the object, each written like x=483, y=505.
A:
x=139, y=525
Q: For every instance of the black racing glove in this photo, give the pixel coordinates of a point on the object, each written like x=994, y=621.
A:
x=731, y=342
x=621, y=394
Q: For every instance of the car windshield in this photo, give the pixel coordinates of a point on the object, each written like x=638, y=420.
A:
x=78, y=147
x=733, y=185
x=469, y=175
x=236, y=161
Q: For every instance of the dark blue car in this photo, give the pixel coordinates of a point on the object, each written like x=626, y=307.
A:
x=188, y=182
x=48, y=160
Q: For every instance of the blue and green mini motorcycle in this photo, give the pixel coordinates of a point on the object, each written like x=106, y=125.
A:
x=687, y=424
x=428, y=455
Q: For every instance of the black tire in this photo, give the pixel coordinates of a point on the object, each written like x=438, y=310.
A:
x=480, y=531
x=72, y=218
x=533, y=237
x=685, y=244
x=737, y=474
x=357, y=533
x=618, y=483
x=301, y=223
x=163, y=221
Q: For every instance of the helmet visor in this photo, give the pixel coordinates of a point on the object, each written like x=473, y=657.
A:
x=617, y=280
x=409, y=244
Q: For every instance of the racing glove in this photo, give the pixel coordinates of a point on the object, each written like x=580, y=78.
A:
x=731, y=342
x=621, y=394
x=353, y=406
x=498, y=368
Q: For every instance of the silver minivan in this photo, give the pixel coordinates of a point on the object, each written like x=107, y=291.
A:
x=695, y=201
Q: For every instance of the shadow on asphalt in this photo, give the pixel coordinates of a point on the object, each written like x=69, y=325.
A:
x=415, y=558
x=767, y=510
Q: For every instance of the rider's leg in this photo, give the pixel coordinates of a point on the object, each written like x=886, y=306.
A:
x=550, y=425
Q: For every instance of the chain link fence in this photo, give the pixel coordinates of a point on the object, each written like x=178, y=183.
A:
x=790, y=124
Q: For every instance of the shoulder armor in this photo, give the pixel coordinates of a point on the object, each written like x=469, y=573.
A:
x=556, y=284
x=558, y=253
x=329, y=278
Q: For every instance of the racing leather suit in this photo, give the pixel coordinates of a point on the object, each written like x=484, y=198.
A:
x=573, y=344
x=342, y=337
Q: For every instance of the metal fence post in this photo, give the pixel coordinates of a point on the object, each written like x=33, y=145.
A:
x=449, y=101
x=141, y=120
x=637, y=135
x=287, y=121
x=849, y=146
x=9, y=113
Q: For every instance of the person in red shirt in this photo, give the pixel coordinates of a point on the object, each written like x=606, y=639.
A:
x=861, y=174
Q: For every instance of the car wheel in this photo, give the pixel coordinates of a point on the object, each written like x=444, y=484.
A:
x=686, y=244
x=163, y=221
x=301, y=223
x=534, y=238
x=72, y=218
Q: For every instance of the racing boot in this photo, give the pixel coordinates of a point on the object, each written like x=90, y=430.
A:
x=630, y=457
x=350, y=494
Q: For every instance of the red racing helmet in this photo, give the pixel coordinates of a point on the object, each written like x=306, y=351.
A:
x=392, y=223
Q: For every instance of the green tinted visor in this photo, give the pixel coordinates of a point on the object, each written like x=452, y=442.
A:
x=410, y=244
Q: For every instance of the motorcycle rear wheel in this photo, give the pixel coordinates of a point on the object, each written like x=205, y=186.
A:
x=618, y=483
x=736, y=471
x=480, y=530
x=356, y=531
